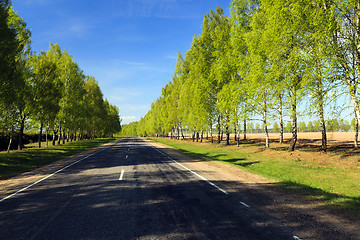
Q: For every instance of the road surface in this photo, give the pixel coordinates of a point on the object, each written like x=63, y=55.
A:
x=132, y=190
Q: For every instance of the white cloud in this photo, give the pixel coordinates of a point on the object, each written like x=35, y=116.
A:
x=69, y=28
x=124, y=94
x=132, y=112
x=154, y=8
x=134, y=107
x=172, y=57
x=78, y=28
x=128, y=118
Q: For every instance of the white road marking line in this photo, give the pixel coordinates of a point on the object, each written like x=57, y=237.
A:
x=48, y=176
x=121, y=175
x=196, y=174
x=245, y=204
x=127, y=156
x=296, y=238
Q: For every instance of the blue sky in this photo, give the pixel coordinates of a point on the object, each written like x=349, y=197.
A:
x=129, y=46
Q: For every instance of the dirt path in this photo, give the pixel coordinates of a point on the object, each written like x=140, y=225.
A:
x=312, y=220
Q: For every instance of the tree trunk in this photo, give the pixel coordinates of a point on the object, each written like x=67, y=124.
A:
x=211, y=135
x=238, y=137
x=356, y=134
x=281, y=122
x=235, y=134
x=202, y=136
x=46, y=137
x=244, y=128
x=264, y=113
x=323, y=132
x=294, y=125
x=219, y=129
x=178, y=131
x=352, y=91
x=40, y=134
x=59, y=137
x=267, y=144
x=63, y=136
x=197, y=136
x=21, y=132
x=245, y=116
x=10, y=139
x=193, y=137
x=54, y=137
x=322, y=121
x=227, y=135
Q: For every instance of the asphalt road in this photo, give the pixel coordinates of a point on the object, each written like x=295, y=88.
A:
x=132, y=190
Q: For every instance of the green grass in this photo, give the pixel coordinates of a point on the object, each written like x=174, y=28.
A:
x=334, y=186
x=19, y=161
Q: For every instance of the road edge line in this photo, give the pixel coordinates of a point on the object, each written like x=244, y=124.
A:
x=193, y=172
x=50, y=175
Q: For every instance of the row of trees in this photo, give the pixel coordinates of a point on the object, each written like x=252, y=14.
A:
x=262, y=62
x=333, y=125
x=47, y=89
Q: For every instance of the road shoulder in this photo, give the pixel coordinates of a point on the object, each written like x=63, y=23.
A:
x=11, y=185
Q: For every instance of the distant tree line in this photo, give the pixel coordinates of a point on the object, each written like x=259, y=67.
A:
x=264, y=60
x=333, y=125
x=47, y=90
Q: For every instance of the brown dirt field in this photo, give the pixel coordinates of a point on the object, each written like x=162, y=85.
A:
x=334, y=138
x=313, y=138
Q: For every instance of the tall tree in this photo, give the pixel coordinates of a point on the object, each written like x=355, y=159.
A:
x=21, y=72
x=10, y=47
x=321, y=65
x=95, y=109
x=215, y=39
x=46, y=92
x=242, y=12
x=346, y=47
x=283, y=41
x=261, y=82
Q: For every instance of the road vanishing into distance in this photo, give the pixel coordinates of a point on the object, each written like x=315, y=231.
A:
x=132, y=190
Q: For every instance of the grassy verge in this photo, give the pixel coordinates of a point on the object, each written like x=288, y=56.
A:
x=31, y=157
x=331, y=184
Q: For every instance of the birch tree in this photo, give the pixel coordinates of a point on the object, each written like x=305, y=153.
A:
x=346, y=47
x=242, y=12
x=282, y=41
x=46, y=92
